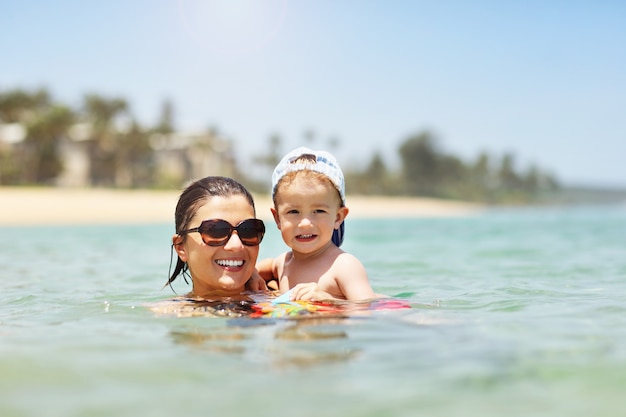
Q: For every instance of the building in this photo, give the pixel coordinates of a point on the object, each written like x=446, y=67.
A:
x=173, y=159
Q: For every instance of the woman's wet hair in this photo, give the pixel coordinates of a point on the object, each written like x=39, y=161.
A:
x=190, y=201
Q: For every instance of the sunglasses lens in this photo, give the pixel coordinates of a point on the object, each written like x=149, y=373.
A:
x=215, y=232
x=251, y=232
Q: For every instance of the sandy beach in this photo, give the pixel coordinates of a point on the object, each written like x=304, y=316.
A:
x=53, y=206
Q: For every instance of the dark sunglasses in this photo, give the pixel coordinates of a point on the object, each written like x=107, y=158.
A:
x=216, y=232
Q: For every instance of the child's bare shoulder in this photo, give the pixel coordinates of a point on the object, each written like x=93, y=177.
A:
x=348, y=261
x=346, y=257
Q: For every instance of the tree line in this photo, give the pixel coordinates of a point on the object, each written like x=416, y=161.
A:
x=117, y=142
x=427, y=170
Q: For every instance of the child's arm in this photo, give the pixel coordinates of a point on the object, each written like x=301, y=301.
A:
x=352, y=278
x=256, y=283
x=267, y=269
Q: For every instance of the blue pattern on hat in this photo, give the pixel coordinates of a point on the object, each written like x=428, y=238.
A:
x=338, y=235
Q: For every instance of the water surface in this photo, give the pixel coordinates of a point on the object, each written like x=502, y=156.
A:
x=514, y=312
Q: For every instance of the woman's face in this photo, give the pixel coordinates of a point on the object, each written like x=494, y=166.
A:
x=218, y=269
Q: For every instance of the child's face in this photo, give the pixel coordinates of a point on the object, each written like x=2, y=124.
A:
x=307, y=212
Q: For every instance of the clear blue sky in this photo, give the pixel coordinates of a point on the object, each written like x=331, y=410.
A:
x=543, y=79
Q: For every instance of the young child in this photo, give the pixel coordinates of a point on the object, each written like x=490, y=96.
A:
x=308, y=191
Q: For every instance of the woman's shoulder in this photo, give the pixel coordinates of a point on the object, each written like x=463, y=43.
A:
x=190, y=306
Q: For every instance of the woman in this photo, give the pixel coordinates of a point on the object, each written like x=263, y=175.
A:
x=217, y=238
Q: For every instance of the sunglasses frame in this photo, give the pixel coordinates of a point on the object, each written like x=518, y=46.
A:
x=258, y=227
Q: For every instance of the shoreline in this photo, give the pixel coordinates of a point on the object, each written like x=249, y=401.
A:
x=24, y=206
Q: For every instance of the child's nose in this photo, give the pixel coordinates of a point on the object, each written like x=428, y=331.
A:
x=305, y=221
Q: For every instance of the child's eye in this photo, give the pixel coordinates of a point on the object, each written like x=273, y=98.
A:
x=292, y=211
x=320, y=211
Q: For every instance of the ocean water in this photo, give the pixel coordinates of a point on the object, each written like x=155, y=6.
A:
x=518, y=312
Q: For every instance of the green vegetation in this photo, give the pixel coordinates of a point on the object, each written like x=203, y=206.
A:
x=120, y=154
x=426, y=170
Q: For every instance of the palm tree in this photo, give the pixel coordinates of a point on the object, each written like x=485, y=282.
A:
x=420, y=158
x=101, y=113
x=134, y=158
x=17, y=106
x=45, y=132
x=27, y=109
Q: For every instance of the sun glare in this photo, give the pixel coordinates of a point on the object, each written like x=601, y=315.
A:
x=232, y=27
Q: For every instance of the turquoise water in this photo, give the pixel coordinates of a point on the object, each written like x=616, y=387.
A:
x=515, y=312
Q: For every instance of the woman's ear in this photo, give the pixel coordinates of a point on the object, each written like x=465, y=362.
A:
x=342, y=213
x=276, y=219
x=179, y=247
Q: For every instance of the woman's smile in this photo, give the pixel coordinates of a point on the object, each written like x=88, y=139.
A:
x=230, y=264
